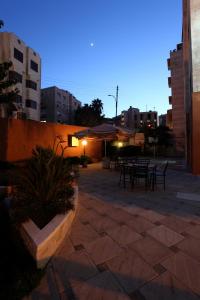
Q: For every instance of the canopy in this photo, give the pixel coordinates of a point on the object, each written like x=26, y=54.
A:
x=105, y=132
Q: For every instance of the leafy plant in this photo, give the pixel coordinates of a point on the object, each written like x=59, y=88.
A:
x=84, y=160
x=44, y=188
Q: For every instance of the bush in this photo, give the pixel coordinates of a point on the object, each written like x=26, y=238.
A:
x=129, y=151
x=84, y=160
x=44, y=188
x=73, y=160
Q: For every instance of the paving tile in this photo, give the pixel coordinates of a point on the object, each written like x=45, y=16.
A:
x=133, y=209
x=65, y=249
x=194, y=231
x=101, y=287
x=165, y=235
x=119, y=215
x=102, y=249
x=152, y=215
x=151, y=250
x=82, y=234
x=130, y=270
x=185, y=269
x=191, y=246
x=101, y=224
x=175, y=223
x=139, y=224
x=123, y=235
x=46, y=289
x=166, y=287
x=75, y=266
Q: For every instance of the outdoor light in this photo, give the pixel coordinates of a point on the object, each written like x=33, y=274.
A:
x=84, y=143
x=120, y=144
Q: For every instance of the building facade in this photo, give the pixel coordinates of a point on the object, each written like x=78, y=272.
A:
x=26, y=69
x=176, y=83
x=134, y=119
x=58, y=106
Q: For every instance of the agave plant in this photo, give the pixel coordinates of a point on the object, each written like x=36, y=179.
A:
x=44, y=188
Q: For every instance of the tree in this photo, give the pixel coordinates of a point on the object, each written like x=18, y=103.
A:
x=90, y=115
x=8, y=94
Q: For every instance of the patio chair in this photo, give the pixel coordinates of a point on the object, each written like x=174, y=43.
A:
x=143, y=161
x=125, y=174
x=140, y=171
x=160, y=174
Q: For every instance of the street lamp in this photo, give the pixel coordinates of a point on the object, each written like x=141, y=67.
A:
x=116, y=99
x=84, y=143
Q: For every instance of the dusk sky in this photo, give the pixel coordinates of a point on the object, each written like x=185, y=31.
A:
x=90, y=46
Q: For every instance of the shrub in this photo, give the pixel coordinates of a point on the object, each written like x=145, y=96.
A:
x=44, y=188
x=129, y=151
x=84, y=159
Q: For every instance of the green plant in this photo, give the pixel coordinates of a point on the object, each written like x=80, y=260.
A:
x=84, y=160
x=44, y=188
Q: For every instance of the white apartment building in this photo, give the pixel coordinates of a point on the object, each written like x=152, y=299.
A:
x=58, y=106
x=26, y=69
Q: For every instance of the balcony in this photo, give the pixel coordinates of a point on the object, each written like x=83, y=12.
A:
x=169, y=63
x=169, y=82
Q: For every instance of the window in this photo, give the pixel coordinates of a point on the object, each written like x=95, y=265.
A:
x=149, y=117
x=14, y=76
x=18, y=99
x=18, y=55
x=135, y=117
x=31, y=104
x=31, y=84
x=34, y=66
x=141, y=117
x=72, y=141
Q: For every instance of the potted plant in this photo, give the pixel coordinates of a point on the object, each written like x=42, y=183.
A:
x=44, y=191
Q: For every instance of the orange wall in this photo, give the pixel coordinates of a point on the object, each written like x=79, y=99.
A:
x=24, y=135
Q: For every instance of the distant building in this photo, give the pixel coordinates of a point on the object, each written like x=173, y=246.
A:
x=169, y=119
x=134, y=119
x=163, y=120
x=26, y=69
x=58, y=106
x=176, y=83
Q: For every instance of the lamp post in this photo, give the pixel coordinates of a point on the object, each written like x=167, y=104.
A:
x=153, y=141
x=116, y=99
x=84, y=143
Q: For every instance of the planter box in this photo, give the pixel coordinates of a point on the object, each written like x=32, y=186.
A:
x=43, y=243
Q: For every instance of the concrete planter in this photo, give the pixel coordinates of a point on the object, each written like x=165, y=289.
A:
x=43, y=243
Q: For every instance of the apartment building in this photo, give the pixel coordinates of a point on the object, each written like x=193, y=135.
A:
x=176, y=83
x=191, y=62
x=58, y=106
x=134, y=119
x=26, y=69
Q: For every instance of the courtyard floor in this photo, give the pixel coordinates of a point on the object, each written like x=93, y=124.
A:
x=129, y=244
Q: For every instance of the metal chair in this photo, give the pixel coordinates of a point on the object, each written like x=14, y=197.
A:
x=160, y=174
x=125, y=174
x=140, y=171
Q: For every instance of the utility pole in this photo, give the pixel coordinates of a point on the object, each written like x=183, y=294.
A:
x=116, y=98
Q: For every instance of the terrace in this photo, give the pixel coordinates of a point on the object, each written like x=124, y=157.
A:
x=129, y=244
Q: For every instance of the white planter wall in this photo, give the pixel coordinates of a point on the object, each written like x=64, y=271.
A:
x=43, y=243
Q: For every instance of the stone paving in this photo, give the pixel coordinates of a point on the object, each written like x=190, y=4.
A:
x=128, y=244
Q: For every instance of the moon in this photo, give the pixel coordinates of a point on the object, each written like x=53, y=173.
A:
x=91, y=44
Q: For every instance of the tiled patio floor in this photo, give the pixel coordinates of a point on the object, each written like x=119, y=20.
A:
x=128, y=244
